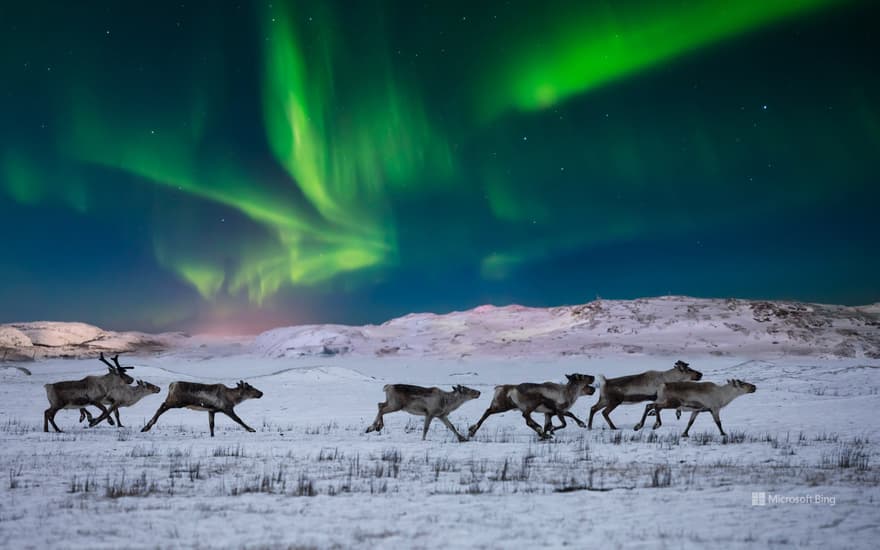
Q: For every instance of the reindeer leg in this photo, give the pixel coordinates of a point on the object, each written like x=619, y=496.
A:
x=648, y=408
x=527, y=414
x=84, y=413
x=548, y=423
x=561, y=417
x=577, y=420
x=118, y=421
x=690, y=423
x=379, y=423
x=607, y=411
x=231, y=414
x=449, y=425
x=593, y=410
x=49, y=416
x=162, y=409
x=716, y=416
x=428, y=419
x=489, y=412
x=52, y=420
x=658, y=422
x=105, y=415
x=211, y=422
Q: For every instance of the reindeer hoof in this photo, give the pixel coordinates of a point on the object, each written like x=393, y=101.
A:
x=251, y=430
x=684, y=435
x=462, y=439
x=145, y=429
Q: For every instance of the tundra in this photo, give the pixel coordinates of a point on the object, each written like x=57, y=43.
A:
x=501, y=402
x=91, y=390
x=121, y=396
x=213, y=398
x=696, y=397
x=428, y=402
x=636, y=388
x=549, y=398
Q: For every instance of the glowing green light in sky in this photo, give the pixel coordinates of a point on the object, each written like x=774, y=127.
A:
x=345, y=150
x=596, y=45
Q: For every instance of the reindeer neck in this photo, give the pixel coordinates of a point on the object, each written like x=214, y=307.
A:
x=453, y=400
x=729, y=393
x=573, y=391
x=234, y=395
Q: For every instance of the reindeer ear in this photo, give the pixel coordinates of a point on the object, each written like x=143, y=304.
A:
x=568, y=376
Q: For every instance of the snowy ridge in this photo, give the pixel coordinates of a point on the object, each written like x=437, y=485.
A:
x=45, y=339
x=666, y=325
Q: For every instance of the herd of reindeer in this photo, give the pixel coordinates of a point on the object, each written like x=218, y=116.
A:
x=677, y=388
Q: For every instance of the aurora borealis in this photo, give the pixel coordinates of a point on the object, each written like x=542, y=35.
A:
x=238, y=165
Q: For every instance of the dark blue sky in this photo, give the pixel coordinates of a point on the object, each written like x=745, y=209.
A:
x=218, y=166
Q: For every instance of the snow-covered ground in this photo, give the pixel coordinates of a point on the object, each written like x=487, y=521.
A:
x=310, y=476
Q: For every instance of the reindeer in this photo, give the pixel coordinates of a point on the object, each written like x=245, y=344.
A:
x=549, y=398
x=501, y=402
x=428, y=402
x=121, y=396
x=697, y=397
x=91, y=390
x=213, y=398
x=636, y=388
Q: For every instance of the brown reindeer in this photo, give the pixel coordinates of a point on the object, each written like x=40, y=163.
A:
x=501, y=402
x=91, y=390
x=428, y=402
x=121, y=396
x=213, y=398
x=549, y=398
x=636, y=388
x=696, y=397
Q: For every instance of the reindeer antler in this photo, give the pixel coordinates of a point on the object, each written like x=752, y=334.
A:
x=106, y=362
x=118, y=366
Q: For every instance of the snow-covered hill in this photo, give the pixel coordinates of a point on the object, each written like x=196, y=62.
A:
x=667, y=325
x=45, y=339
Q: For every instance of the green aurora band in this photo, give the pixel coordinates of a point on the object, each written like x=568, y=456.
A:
x=598, y=44
x=351, y=149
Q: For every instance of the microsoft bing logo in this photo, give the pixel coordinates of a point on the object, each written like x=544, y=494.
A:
x=759, y=498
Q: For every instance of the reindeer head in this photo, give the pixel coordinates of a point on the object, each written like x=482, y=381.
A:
x=687, y=372
x=151, y=388
x=580, y=378
x=464, y=391
x=247, y=391
x=117, y=369
x=744, y=387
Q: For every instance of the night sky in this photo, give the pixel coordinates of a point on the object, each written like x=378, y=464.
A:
x=222, y=166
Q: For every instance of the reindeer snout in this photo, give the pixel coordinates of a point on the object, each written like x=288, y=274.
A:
x=589, y=390
x=259, y=394
x=699, y=376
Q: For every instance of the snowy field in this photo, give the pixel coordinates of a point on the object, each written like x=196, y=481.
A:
x=311, y=478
